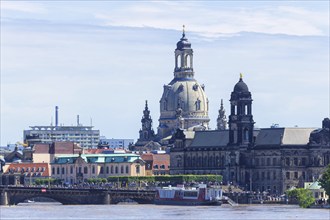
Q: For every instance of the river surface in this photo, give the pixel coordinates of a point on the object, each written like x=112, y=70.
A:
x=58, y=211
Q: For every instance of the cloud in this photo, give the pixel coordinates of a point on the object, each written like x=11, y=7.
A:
x=220, y=20
x=21, y=6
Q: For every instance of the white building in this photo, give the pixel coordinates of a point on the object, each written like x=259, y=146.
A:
x=85, y=136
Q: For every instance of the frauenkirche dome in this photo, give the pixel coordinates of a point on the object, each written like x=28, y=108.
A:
x=184, y=103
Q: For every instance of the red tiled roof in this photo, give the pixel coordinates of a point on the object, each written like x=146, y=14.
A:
x=30, y=169
x=147, y=156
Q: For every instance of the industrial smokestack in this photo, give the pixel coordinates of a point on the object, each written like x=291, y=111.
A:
x=56, y=116
x=78, y=120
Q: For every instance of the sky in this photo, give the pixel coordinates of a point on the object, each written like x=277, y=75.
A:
x=102, y=59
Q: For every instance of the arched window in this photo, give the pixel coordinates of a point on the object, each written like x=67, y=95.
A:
x=165, y=105
x=217, y=161
x=211, y=161
x=198, y=104
x=246, y=134
x=93, y=169
x=101, y=170
x=85, y=170
x=116, y=170
x=127, y=169
x=193, y=161
x=178, y=61
x=107, y=170
x=187, y=60
x=58, y=170
x=111, y=169
x=122, y=169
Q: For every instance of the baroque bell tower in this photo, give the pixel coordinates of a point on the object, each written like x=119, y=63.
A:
x=222, y=120
x=241, y=119
x=146, y=133
x=184, y=58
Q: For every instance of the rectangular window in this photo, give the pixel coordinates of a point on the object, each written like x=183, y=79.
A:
x=274, y=162
x=303, y=161
x=287, y=174
x=274, y=175
x=268, y=161
x=295, y=161
x=257, y=176
x=303, y=175
x=268, y=175
x=287, y=161
x=262, y=175
x=296, y=175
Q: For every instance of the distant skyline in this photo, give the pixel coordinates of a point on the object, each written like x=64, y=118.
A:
x=102, y=59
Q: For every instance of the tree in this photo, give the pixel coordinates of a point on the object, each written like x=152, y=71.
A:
x=304, y=196
x=325, y=180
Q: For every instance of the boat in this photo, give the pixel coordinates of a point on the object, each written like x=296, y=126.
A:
x=200, y=195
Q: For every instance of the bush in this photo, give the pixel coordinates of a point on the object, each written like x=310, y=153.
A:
x=304, y=196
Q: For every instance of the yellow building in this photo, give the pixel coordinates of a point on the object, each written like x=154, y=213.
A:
x=77, y=168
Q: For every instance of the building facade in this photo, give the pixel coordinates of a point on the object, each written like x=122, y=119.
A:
x=85, y=136
x=269, y=159
x=74, y=169
x=115, y=143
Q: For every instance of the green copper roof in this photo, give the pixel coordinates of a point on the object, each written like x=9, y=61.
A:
x=315, y=185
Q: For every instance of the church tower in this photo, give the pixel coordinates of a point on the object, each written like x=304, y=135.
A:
x=222, y=120
x=241, y=120
x=146, y=133
x=184, y=103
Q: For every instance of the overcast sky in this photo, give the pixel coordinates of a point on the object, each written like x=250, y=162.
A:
x=102, y=59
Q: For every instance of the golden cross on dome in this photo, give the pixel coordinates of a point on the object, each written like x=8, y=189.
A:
x=240, y=75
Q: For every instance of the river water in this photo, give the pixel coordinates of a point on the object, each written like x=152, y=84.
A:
x=44, y=211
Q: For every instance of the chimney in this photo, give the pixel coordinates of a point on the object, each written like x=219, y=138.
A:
x=56, y=116
x=78, y=120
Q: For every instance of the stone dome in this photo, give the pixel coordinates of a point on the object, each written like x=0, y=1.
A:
x=183, y=43
x=188, y=95
x=241, y=86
